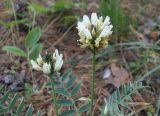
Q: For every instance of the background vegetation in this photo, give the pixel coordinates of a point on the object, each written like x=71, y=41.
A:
x=128, y=71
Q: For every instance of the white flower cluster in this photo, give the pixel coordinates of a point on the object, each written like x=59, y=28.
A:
x=47, y=67
x=94, y=33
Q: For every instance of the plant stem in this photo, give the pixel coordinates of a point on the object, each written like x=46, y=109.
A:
x=30, y=66
x=15, y=18
x=93, y=80
x=34, y=19
x=54, y=95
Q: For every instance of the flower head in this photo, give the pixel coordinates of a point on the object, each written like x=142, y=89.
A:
x=94, y=32
x=48, y=66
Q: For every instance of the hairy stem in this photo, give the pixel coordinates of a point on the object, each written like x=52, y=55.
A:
x=93, y=80
x=54, y=94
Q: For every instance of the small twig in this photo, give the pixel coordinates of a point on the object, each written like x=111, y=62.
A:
x=60, y=39
x=51, y=23
x=141, y=36
x=15, y=17
x=138, y=103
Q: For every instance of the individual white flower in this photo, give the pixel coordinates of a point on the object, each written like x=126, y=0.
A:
x=86, y=21
x=106, y=31
x=35, y=65
x=99, y=23
x=40, y=60
x=87, y=34
x=81, y=26
x=47, y=68
x=58, y=64
x=83, y=31
x=58, y=59
x=106, y=21
x=94, y=32
x=94, y=19
x=56, y=55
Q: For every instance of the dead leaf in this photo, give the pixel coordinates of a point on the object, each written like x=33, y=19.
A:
x=154, y=35
x=119, y=75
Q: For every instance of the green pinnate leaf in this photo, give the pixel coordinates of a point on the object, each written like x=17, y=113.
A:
x=35, y=51
x=66, y=74
x=20, y=107
x=3, y=111
x=13, y=102
x=56, y=83
x=15, y=50
x=33, y=37
x=29, y=111
x=76, y=89
x=38, y=8
x=71, y=82
x=65, y=102
x=61, y=5
x=85, y=107
x=68, y=113
x=5, y=97
x=63, y=92
x=38, y=113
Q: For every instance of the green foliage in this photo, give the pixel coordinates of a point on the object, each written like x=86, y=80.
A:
x=29, y=111
x=121, y=97
x=158, y=107
x=58, y=6
x=119, y=20
x=61, y=5
x=68, y=113
x=38, y=113
x=66, y=87
x=66, y=74
x=63, y=92
x=65, y=102
x=35, y=51
x=33, y=48
x=33, y=37
x=37, y=8
x=68, y=20
x=15, y=50
x=85, y=107
x=71, y=82
x=10, y=106
x=12, y=24
x=76, y=89
x=29, y=90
